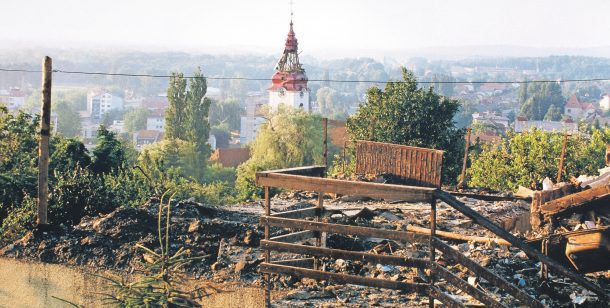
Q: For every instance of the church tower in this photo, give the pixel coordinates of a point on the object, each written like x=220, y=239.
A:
x=289, y=83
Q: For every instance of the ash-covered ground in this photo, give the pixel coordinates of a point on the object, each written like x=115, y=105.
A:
x=230, y=237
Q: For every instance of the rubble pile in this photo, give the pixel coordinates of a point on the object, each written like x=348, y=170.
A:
x=230, y=237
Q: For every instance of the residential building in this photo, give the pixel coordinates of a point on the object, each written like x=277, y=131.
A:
x=568, y=126
x=89, y=129
x=575, y=109
x=117, y=127
x=491, y=117
x=148, y=137
x=100, y=101
x=289, y=83
x=156, y=120
x=16, y=99
x=605, y=102
x=250, y=123
x=213, y=93
x=4, y=97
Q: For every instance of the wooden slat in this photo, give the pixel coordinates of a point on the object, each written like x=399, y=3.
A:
x=391, y=145
x=343, y=229
x=344, y=254
x=344, y=279
x=300, y=213
x=465, y=287
x=488, y=224
x=307, y=170
x=445, y=299
x=295, y=237
x=485, y=273
x=374, y=190
x=306, y=262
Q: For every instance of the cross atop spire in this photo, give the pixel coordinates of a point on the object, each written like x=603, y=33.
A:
x=291, y=3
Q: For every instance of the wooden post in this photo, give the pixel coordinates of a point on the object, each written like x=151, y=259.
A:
x=432, y=249
x=563, y=152
x=43, y=143
x=373, y=129
x=461, y=184
x=267, y=256
x=325, y=141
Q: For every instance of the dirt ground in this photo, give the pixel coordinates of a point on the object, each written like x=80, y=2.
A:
x=230, y=236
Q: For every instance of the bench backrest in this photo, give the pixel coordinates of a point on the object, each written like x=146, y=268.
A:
x=411, y=165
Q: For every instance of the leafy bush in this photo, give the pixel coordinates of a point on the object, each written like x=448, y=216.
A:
x=526, y=159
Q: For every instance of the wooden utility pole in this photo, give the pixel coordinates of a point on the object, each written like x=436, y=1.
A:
x=563, y=152
x=461, y=184
x=43, y=144
x=373, y=129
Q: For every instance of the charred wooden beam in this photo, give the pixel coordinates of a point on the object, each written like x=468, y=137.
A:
x=344, y=279
x=478, y=218
x=295, y=237
x=586, y=200
x=444, y=298
x=374, y=190
x=306, y=170
x=305, y=262
x=489, y=197
x=301, y=213
x=485, y=273
x=465, y=286
x=343, y=229
x=344, y=254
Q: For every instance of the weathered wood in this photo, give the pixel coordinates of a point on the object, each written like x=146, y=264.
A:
x=374, y=190
x=301, y=213
x=305, y=171
x=344, y=254
x=541, y=197
x=444, y=298
x=461, y=184
x=267, y=253
x=304, y=263
x=343, y=229
x=465, y=286
x=488, y=224
x=489, y=197
x=325, y=140
x=344, y=279
x=43, y=142
x=586, y=200
x=487, y=275
x=295, y=237
x=457, y=236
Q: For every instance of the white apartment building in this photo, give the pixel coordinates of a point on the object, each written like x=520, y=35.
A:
x=100, y=101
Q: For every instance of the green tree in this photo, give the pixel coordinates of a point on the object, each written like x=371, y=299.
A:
x=222, y=134
x=110, y=154
x=480, y=127
x=329, y=101
x=69, y=154
x=239, y=87
x=408, y=115
x=136, y=119
x=464, y=116
x=68, y=123
x=291, y=138
x=226, y=111
x=554, y=114
x=541, y=96
x=325, y=77
x=522, y=92
x=171, y=156
x=442, y=84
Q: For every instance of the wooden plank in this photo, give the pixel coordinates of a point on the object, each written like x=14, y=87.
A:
x=344, y=254
x=295, y=237
x=418, y=168
x=489, y=197
x=409, y=167
x=303, y=263
x=301, y=213
x=343, y=229
x=306, y=170
x=439, y=166
x=377, y=144
x=478, y=218
x=426, y=169
x=374, y=190
x=432, y=170
x=465, y=286
x=591, y=198
x=344, y=279
x=444, y=298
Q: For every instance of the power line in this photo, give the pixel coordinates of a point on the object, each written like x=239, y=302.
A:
x=314, y=80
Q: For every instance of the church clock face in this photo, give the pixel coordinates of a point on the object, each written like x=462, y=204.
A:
x=302, y=93
x=281, y=92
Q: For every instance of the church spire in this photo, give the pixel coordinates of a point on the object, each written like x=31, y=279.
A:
x=289, y=63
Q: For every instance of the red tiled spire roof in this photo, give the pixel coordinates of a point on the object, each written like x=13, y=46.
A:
x=573, y=102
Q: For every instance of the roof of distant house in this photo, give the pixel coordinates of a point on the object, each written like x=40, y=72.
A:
x=157, y=113
x=573, y=102
x=17, y=93
x=155, y=104
x=148, y=134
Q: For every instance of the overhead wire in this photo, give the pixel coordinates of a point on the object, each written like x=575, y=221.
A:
x=309, y=80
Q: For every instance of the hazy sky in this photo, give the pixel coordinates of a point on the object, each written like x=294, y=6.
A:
x=319, y=24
